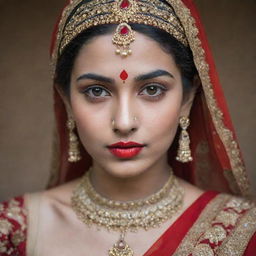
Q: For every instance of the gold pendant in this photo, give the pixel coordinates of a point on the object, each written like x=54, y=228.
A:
x=121, y=248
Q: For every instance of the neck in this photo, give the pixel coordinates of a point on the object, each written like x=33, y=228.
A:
x=131, y=188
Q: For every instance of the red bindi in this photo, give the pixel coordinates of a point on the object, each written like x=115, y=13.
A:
x=124, y=75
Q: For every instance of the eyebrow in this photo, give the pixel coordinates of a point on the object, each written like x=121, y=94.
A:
x=138, y=78
x=153, y=74
x=96, y=77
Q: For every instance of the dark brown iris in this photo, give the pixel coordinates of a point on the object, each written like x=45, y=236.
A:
x=151, y=90
x=97, y=91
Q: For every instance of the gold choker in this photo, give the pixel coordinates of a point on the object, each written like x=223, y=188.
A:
x=93, y=209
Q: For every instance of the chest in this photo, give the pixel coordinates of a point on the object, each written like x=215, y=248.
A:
x=57, y=233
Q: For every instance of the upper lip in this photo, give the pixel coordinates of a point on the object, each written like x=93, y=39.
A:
x=128, y=144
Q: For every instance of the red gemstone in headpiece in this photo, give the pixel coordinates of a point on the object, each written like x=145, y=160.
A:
x=123, y=75
x=125, y=4
x=124, y=30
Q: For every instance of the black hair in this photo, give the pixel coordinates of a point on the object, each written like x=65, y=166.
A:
x=182, y=55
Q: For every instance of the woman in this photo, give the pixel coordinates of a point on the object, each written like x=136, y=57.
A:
x=127, y=75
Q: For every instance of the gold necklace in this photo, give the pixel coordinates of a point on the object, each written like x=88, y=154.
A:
x=93, y=209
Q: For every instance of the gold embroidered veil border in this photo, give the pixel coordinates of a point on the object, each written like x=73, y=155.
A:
x=225, y=134
x=238, y=173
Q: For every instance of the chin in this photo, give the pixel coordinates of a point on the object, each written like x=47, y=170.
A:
x=124, y=169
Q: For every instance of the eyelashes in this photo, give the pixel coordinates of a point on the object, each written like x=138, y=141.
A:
x=100, y=93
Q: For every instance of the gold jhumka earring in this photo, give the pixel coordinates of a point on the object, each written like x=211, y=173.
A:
x=184, y=152
x=73, y=152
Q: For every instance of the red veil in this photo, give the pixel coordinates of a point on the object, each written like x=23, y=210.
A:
x=217, y=160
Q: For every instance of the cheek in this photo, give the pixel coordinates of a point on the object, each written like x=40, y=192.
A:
x=90, y=121
x=162, y=121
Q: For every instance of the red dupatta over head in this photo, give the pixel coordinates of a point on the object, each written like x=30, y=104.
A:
x=217, y=160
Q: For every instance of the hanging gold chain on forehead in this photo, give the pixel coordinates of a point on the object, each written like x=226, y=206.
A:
x=84, y=14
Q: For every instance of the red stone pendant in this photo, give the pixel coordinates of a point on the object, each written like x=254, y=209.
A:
x=125, y=4
x=123, y=75
x=124, y=30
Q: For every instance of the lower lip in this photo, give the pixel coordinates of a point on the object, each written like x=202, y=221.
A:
x=125, y=152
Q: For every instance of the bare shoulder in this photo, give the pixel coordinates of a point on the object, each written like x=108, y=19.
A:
x=58, y=199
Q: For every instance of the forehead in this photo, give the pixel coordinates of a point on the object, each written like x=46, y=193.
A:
x=99, y=56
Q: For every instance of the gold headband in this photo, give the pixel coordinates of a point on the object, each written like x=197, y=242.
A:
x=98, y=12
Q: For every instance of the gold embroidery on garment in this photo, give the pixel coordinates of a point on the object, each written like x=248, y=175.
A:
x=5, y=227
x=227, y=218
x=15, y=212
x=239, y=204
x=202, y=224
x=240, y=236
x=18, y=237
x=225, y=134
x=3, y=246
x=214, y=234
x=203, y=250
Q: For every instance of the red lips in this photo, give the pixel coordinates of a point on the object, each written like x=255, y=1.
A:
x=125, y=149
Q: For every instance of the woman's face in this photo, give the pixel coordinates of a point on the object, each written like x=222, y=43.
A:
x=145, y=109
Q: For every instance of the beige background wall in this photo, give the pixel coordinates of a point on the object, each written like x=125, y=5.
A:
x=26, y=119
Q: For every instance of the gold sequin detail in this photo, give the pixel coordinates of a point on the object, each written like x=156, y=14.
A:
x=18, y=237
x=221, y=228
x=215, y=234
x=227, y=218
x=5, y=227
x=9, y=237
x=203, y=250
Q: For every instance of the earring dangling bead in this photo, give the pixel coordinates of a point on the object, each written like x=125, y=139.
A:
x=73, y=152
x=184, y=152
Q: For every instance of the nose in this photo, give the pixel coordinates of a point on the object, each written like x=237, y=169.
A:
x=124, y=121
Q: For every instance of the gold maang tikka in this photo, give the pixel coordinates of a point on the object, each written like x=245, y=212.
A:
x=124, y=34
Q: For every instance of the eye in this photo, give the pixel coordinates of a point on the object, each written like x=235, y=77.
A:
x=153, y=90
x=96, y=92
